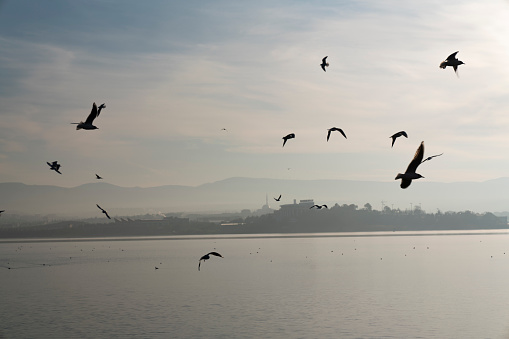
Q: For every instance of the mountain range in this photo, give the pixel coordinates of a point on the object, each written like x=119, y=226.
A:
x=234, y=194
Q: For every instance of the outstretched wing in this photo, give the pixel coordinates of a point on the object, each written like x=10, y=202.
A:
x=341, y=131
x=93, y=114
x=216, y=254
x=416, y=161
x=452, y=56
x=100, y=109
x=100, y=208
x=324, y=60
x=107, y=214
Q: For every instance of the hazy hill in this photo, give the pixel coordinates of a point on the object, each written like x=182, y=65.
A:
x=239, y=193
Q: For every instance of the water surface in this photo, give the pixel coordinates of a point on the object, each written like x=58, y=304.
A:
x=391, y=285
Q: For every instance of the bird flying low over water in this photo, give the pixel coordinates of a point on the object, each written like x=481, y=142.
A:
x=207, y=257
x=55, y=166
x=90, y=119
x=397, y=135
x=410, y=174
x=335, y=129
x=431, y=157
x=279, y=198
x=103, y=211
x=97, y=176
x=324, y=64
x=452, y=61
x=289, y=136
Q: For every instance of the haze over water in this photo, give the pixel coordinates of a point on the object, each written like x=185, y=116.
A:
x=298, y=286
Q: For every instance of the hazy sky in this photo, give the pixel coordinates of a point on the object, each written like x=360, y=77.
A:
x=174, y=73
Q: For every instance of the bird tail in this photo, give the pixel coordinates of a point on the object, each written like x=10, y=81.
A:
x=399, y=176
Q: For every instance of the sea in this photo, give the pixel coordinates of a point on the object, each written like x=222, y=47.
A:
x=333, y=285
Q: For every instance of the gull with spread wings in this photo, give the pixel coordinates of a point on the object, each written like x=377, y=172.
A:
x=207, y=257
x=410, y=174
x=90, y=119
x=335, y=129
x=104, y=211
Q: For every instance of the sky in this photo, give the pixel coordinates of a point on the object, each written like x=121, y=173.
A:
x=173, y=74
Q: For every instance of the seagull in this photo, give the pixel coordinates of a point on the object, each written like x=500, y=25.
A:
x=2, y=211
x=452, y=61
x=335, y=129
x=431, y=157
x=410, y=174
x=289, y=136
x=97, y=176
x=90, y=119
x=279, y=198
x=55, y=166
x=207, y=257
x=103, y=211
x=397, y=135
x=324, y=64
x=317, y=207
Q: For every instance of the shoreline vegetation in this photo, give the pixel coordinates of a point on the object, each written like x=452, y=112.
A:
x=297, y=218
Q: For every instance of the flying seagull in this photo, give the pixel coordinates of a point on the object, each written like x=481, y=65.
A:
x=103, y=211
x=431, y=157
x=452, y=61
x=397, y=135
x=335, y=129
x=2, y=211
x=55, y=166
x=97, y=176
x=90, y=119
x=410, y=174
x=324, y=64
x=289, y=136
x=207, y=257
x=279, y=198
x=318, y=207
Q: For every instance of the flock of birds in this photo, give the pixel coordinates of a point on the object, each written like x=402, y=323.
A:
x=406, y=178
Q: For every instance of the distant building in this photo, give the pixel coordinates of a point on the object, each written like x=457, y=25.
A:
x=265, y=208
x=294, y=210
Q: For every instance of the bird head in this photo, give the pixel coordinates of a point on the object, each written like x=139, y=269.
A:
x=443, y=64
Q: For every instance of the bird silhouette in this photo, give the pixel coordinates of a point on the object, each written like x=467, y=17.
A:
x=410, y=174
x=97, y=176
x=335, y=129
x=289, y=136
x=452, y=61
x=104, y=211
x=55, y=166
x=279, y=198
x=224, y=129
x=318, y=207
x=324, y=64
x=90, y=119
x=207, y=257
x=431, y=157
x=397, y=135
x=2, y=211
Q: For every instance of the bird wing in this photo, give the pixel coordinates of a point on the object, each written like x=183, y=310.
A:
x=341, y=131
x=100, y=208
x=403, y=133
x=284, y=142
x=323, y=67
x=328, y=134
x=324, y=60
x=405, y=183
x=393, y=140
x=93, y=114
x=452, y=56
x=199, y=264
x=216, y=254
x=107, y=214
x=416, y=161
x=100, y=109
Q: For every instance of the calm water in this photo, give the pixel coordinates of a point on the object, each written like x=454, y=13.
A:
x=308, y=286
